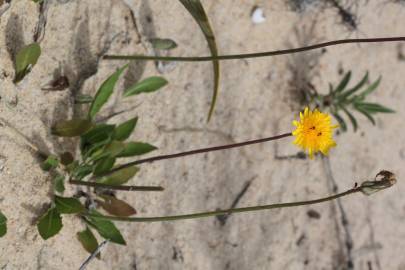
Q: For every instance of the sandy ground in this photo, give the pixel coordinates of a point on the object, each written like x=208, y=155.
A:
x=257, y=99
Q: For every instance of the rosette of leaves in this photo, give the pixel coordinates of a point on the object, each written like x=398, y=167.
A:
x=344, y=100
x=101, y=146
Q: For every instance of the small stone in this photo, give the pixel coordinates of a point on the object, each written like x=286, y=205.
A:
x=257, y=15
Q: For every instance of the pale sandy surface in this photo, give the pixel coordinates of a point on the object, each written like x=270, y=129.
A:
x=256, y=100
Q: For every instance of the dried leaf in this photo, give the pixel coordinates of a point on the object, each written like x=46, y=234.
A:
x=116, y=207
x=71, y=128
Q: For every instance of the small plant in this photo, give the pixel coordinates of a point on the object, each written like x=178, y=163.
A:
x=101, y=147
x=344, y=99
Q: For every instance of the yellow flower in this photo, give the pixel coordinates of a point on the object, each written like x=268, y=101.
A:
x=314, y=132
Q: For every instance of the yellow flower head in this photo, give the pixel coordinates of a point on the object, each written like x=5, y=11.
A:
x=314, y=132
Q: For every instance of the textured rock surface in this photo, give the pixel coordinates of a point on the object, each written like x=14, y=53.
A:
x=257, y=99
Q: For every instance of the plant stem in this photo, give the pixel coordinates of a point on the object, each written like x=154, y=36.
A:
x=115, y=187
x=227, y=211
x=198, y=151
x=253, y=55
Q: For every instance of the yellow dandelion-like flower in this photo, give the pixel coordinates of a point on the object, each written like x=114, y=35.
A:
x=314, y=132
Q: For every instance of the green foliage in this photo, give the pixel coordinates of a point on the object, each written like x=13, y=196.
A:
x=148, y=85
x=196, y=9
x=50, y=223
x=344, y=100
x=25, y=60
x=101, y=147
x=3, y=224
x=105, y=228
x=88, y=240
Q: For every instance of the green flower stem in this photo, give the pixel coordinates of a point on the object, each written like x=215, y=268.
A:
x=253, y=55
x=115, y=187
x=227, y=211
x=199, y=151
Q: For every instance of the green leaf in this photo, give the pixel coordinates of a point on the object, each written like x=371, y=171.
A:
x=50, y=223
x=341, y=121
x=119, y=177
x=88, y=241
x=114, y=148
x=366, y=114
x=25, y=59
x=147, y=85
x=96, y=138
x=50, y=163
x=196, y=9
x=136, y=149
x=374, y=108
x=356, y=88
x=82, y=171
x=104, y=92
x=58, y=183
x=71, y=128
x=105, y=228
x=70, y=205
x=163, y=43
x=351, y=117
x=124, y=130
x=344, y=82
x=3, y=224
x=116, y=207
x=104, y=165
x=370, y=89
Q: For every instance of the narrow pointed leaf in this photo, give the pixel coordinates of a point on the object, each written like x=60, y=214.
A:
x=196, y=9
x=71, y=128
x=366, y=114
x=136, y=149
x=104, y=92
x=50, y=223
x=88, y=241
x=341, y=121
x=70, y=205
x=116, y=206
x=105, y=228
x=351, y=91
x=344, y=82
x=351, y=118
x=3, y=224
x=124, y=130
x=119, y=177
x=25, y=59
x=370, y=89
x=375, y=108
x=147, y=85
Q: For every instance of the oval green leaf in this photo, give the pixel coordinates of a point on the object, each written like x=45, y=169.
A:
x=124, y=130
x=50, y=223
x=104, y=165
x=25, y=59
x=71, y=128
x=69, y=205
x=88, y=240
x=148, y=85
x=105, y=228
x=104, y=92
x=119, y=177
x=136, y=149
